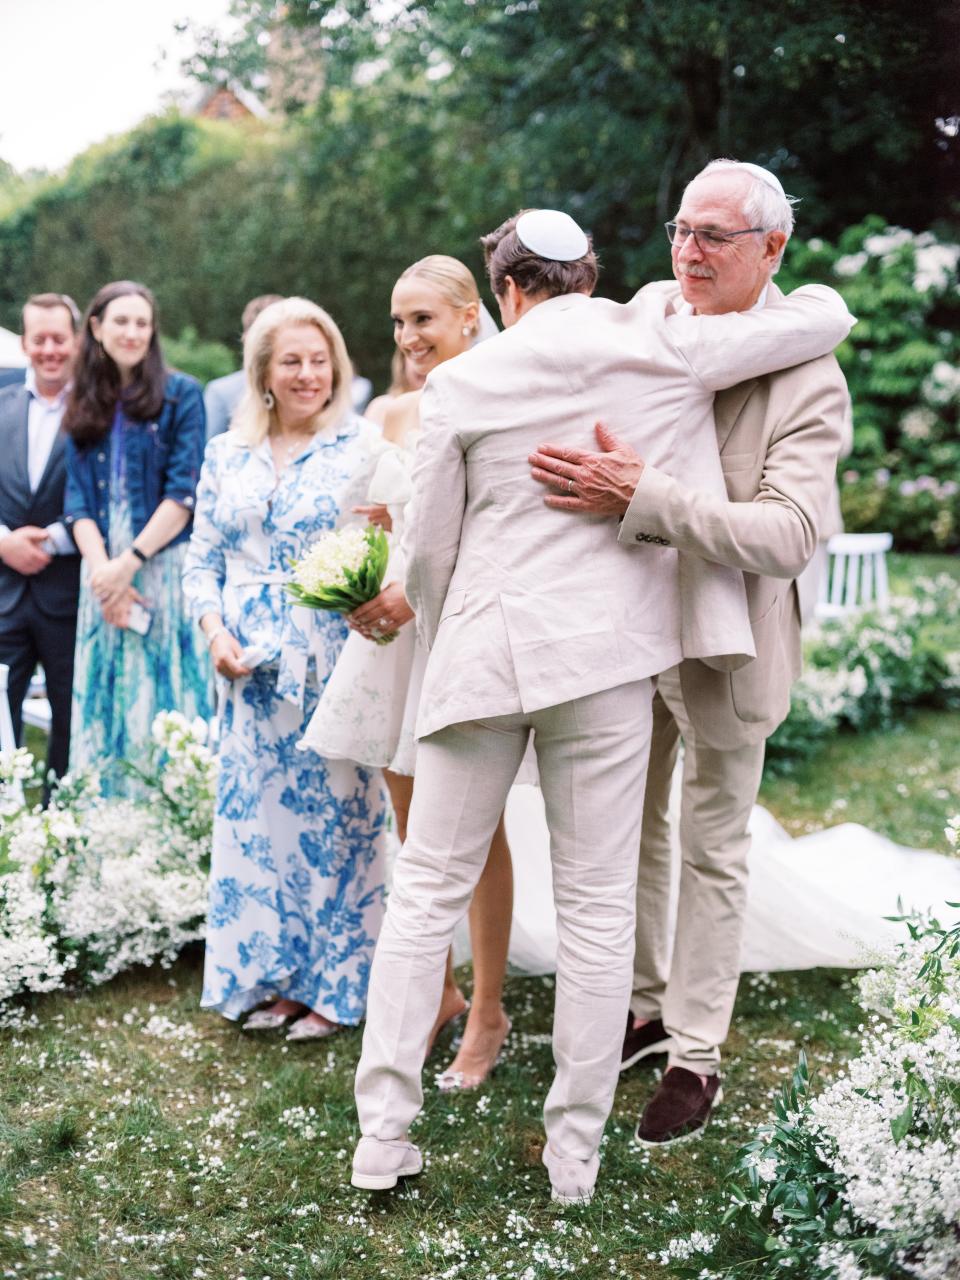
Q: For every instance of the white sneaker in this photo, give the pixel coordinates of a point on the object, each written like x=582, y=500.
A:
x=571, y=1181
x=379, y=1163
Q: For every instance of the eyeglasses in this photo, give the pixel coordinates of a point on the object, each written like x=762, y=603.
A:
x=707, y=241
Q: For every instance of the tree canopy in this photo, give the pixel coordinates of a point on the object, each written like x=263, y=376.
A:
x=410, y=129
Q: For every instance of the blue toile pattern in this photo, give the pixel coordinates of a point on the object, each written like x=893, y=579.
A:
x=297, y=877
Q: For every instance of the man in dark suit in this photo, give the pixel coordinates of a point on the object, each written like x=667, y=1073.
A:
x=39, y=563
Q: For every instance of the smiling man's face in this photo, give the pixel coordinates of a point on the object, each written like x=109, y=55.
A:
x=732, y=278
x=50, y=345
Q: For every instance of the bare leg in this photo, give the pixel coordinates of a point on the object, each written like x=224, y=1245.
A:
x=453, y=1001
x=491, y=913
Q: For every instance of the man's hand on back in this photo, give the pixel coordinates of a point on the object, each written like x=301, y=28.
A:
x=600, y=484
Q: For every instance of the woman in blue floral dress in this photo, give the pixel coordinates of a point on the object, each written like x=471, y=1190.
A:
x=135, y=442
x=297, y=879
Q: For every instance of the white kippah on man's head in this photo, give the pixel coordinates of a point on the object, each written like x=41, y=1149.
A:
x=765, y=176
x=552, y=234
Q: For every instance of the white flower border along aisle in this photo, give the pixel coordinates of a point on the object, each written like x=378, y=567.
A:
x=869, y=670
x=863, y=1181
x=90, y=887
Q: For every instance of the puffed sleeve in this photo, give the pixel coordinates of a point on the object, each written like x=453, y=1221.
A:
x=204, y=571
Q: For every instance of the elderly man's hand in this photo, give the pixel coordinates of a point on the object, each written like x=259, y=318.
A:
x=600, y=484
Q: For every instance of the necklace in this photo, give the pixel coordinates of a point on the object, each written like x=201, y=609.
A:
x=289, y=451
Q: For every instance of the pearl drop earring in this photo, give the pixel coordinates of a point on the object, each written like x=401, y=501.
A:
x=465, y=331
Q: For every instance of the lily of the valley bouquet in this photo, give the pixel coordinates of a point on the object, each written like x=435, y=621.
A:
x=342, y=570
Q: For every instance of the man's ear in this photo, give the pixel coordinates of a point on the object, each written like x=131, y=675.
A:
x=774, y=244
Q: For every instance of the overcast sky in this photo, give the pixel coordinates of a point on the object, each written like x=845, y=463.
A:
x=76, y=71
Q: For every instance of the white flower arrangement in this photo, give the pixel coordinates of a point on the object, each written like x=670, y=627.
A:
x=89, y=887
x=863, y=1181
x=864, y=668
x=342, y=570
x=329, y=560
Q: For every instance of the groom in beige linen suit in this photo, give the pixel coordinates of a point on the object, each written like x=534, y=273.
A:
x=556, y=631
x=779, y=437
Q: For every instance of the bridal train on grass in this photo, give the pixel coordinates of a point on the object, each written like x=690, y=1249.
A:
x=817, y=900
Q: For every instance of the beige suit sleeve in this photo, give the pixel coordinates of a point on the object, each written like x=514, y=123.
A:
x=431, y=538
x=725, y=350
x=777, y=532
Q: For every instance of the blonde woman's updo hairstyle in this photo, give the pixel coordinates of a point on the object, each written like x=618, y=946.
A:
x=252, y=420
x=452, y=280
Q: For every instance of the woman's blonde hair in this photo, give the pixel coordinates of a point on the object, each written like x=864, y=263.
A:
x=453, y=280
x=252, y=418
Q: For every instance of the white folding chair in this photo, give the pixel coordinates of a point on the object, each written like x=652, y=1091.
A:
x=856, y=576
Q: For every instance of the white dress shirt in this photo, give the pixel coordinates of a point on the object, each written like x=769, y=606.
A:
x=43, y=423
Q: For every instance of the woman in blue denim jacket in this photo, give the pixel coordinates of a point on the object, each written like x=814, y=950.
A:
x=135, y=444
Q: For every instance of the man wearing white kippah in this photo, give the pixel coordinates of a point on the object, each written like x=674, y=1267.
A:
x=555, y=629
x=779, y=437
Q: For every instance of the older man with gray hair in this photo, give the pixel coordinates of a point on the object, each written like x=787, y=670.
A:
x=779, y=436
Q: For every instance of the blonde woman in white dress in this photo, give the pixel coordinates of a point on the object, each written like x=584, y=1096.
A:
x=368, y=710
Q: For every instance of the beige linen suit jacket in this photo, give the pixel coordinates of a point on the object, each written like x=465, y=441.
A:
x=523, y=611
x=779, y=437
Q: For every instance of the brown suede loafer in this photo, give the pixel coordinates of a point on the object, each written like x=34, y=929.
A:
x=679, y=1109
x=642, y=1043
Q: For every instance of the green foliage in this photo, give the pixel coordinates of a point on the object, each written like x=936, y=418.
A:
x=868, y=670
x=860, y=1177
x=428, y=124
x=901, y=362
x=204, y=360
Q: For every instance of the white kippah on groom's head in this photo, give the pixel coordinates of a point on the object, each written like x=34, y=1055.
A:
x=551, y=234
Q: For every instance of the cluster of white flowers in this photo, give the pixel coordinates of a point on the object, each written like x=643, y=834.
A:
x=918, y=423
x=302, y=1120
x=93, y=886
x=29, y=955
x=934, y=264
x=326, y=560
x=190, y=769
x=952, y=831
x=942, y=384
x=827, y=696
x=682, y=1248
x=888, y=1126
x=16, y=768
x=907, y=1073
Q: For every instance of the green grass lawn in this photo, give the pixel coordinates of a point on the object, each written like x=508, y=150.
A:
x=903, y=782
x=140, y=1137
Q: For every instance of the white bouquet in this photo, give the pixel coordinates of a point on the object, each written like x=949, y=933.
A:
x=342, y=570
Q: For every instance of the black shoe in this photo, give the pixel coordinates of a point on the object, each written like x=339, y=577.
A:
x=679, y=1109
x=649, y=1039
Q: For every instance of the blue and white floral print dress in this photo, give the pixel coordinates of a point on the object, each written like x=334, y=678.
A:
x=297, y=876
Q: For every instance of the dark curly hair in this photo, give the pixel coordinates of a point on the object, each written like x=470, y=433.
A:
x=96, y=383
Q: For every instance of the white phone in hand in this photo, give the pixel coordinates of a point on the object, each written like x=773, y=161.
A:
x=139, y=619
